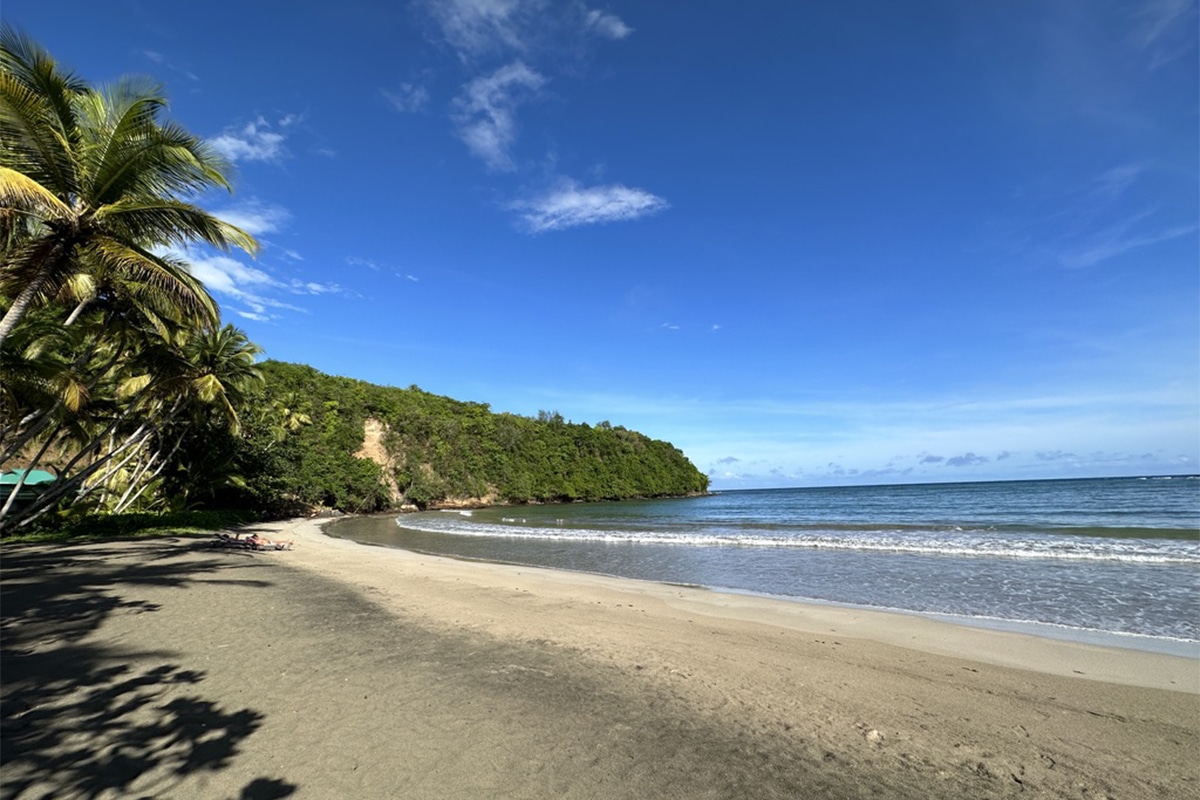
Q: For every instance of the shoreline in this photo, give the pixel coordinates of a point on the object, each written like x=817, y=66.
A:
x=895, y=627
x=1148, y=643
x=171, y=668
x=1162, y=645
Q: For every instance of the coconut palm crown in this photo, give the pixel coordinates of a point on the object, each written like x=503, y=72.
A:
x=93, y=183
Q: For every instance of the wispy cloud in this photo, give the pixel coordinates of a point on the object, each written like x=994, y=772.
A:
x=1117, y=240
x=370, y=264
x=255, y=217
x=260, y=293
x=1112, y=183
x=570, y=205
x=477, y=27
x=255, y=141
x=407, y=97
x=159, y=60
x=485, y=113
x=1097, y=218
x=535, y=38
x=1164, y=29
x=607, y=25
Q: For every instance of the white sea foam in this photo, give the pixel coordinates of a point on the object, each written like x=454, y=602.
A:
x=929, y=543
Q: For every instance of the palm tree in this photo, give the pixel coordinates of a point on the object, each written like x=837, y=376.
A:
x=93, y=183
x=190, y=391
x=150, y=395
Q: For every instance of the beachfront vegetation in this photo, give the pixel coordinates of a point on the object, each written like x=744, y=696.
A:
x=110, y=349
x=117, y=376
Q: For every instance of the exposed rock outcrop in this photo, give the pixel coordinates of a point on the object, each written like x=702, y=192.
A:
x=373, y=449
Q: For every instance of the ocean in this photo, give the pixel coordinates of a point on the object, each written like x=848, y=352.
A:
x=1111, y=561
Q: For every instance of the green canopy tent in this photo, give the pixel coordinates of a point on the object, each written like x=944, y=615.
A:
x=35, y=482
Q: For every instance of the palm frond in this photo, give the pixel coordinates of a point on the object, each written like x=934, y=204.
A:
x=24, y=195
x=175, y=222
x=133, y=384
x=156, y=275
x=37, y=112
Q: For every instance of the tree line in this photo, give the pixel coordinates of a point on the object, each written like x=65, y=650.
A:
x=118, y=376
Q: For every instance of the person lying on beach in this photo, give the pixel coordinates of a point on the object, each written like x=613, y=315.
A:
x=257, y=542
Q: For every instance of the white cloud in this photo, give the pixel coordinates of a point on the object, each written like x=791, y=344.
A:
x=255, y=288
x=608, y=25
x=476, y=27
x=407, y=98
x=571, y=205
x=253, y=142
x=486, y=109
x=255, y=217
x=312, y=287
x=355, y=261
x=229, y=276
x=534, y=32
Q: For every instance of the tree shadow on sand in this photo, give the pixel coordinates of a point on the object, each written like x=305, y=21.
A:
x=81, y=719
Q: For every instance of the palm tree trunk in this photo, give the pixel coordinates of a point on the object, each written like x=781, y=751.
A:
x=21, y=304
x=50, y=256
x=79, y=309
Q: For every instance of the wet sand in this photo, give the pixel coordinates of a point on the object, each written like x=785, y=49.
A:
x=167, y=668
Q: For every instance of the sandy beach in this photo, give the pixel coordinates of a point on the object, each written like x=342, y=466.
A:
x=167, y=668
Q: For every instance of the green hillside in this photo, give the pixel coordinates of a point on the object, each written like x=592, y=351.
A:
x=355, y=446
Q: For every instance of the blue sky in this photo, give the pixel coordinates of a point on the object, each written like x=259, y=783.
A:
x=809, y=243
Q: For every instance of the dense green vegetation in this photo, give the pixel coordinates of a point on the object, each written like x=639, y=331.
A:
x=117, y=376
x=434, y=450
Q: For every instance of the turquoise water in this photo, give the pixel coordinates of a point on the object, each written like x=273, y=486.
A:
x=1115, y=560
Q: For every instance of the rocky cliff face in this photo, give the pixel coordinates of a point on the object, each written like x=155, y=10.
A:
x=373, y=449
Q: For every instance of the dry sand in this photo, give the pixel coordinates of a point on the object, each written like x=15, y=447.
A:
x=168, y=668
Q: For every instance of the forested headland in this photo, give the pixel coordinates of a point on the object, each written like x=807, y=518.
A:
x=355, y=446
x=122, y=392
